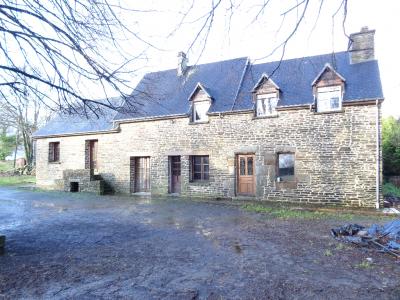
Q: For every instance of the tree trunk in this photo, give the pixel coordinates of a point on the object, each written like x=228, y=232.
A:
x=16, y=146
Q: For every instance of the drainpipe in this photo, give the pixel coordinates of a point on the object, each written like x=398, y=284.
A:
x=378, y=167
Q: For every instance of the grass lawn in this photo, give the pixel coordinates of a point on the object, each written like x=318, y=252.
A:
x=6, y=165
x=17, y=180
x=292, y=212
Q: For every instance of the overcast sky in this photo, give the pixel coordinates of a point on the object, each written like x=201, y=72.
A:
x=243, y=35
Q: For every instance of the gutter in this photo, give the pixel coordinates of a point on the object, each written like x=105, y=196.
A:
x=155, y=118
x=378, y=162
x=37, y=137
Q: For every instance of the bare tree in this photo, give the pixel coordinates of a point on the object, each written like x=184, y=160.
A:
x=292, y=14
x=56, y=51
x=60, y=50
x=25, y=115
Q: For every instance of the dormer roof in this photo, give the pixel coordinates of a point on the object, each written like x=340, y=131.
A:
x=198, y=87
x=264, y=77
x=327, y=68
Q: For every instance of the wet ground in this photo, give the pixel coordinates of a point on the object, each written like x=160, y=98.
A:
x=62, y=245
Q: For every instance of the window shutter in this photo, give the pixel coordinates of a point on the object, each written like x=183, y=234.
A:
x=87, y=155
x=56, y=151
x=51, y=152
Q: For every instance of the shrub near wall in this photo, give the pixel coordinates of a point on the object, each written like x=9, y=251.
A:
x=391, y=146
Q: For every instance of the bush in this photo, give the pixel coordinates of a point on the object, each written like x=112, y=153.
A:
x=389, y=189
x=391, y=146
x=7, y=144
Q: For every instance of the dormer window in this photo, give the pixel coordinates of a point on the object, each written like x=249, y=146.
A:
x=266, y=104
x=201, y=102
x=328, y=89
x=266, y=96
x=200, y=110
x=329, y=98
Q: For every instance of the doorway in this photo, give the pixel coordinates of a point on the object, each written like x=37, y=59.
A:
x=175, y=174
x=245, y=174
x=141, y=174
x=93, y=154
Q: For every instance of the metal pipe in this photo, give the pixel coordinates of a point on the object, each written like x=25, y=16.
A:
x=378, y=166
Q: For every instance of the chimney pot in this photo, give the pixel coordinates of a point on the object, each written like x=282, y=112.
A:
x=182, y=63
x=362, y=46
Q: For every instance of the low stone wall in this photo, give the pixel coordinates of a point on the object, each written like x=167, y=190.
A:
x=82, y=180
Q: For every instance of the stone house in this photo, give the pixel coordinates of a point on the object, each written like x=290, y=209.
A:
x=300, y=130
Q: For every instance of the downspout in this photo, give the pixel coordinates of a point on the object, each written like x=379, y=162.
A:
x=378, y=166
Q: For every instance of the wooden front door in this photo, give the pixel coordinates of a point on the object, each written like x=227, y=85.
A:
x=175, y=173
x=245, y=175
x=93, y=154
x=142, y=174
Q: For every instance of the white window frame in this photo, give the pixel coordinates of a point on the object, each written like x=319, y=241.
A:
x=196, y=104
x=326, y=96
x=270, y=99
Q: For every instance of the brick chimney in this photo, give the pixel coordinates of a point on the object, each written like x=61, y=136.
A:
x=361, y=46
x=182, y=63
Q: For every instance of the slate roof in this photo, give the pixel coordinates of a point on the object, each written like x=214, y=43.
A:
x=164, y=93
x=295, y=76
x=230, y=84
x=64, y=124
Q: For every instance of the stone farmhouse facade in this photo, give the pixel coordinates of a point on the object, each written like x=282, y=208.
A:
x=300, y=130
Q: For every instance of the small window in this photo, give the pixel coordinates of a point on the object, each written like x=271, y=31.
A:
x=329, y=98
x=286, y=166
x=200, y=110
x=200, y=168
x=266, y=104
x=54, y=152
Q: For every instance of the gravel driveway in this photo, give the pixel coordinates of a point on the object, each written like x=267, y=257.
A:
x=63, y=245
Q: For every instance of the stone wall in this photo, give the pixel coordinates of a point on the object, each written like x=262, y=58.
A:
x=85, y=180
x=335, y=154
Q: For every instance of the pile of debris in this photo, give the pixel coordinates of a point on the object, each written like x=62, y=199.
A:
x=386, y=237
x=391, y=201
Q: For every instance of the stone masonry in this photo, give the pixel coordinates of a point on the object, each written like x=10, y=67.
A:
x=84, y=181
x=335, y=154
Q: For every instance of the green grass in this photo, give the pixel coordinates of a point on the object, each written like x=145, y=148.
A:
x=283, y=212
x=6, y=165
x=389, y=189
x=17, y=180
x=364, y=265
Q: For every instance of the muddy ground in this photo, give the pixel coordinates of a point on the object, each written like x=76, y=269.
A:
x=62, y=245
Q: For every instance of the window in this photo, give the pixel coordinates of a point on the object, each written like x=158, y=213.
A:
x=266, y=104
x=286, y=166
x=329, y=98
x=200, y=110
x=54, y=152
x=200, y=168
x=91, y=154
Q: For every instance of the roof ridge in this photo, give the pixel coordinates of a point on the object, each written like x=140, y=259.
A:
x=301, y=57
x=204, y=64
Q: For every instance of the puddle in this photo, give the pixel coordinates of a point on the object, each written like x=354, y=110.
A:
x=237, y=248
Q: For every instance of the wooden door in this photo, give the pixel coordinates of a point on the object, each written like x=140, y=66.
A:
x=175, y=173
x=142, y=174
x=245, y=175
x=93, y=154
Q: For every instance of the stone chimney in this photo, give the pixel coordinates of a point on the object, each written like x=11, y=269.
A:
x=182, y=63
x=361, y=46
